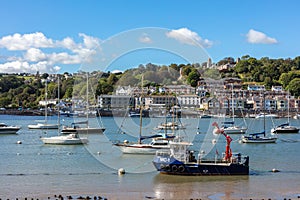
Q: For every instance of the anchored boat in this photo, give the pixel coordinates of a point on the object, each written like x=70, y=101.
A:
x=179, y=160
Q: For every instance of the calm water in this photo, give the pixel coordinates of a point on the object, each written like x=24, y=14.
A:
x=35, y=170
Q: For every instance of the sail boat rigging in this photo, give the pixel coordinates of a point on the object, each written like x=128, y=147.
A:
x=230, y=127
x=75, y=128
x=44, y=125
x=286, y=127
x=159, y=141
x=70, y=139
x=259, y=137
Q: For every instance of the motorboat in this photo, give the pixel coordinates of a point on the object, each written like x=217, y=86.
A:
x=8, y=129
x=285, y=128
x=230, y=128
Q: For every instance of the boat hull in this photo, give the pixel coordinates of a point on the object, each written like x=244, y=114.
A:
x=64, y=140
x=43, y=126
x=145, y=149
x=169, y=165
x=12, y=130
x=82, y=130
x=286, y=130
x=233, y=130
x=260, y=140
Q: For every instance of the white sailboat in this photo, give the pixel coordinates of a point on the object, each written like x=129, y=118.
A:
x=230, y=127
x=159, y=141
x=70, y=139
x=75, y=128
x=259, y=137
x=286, y=127
x=45, y=124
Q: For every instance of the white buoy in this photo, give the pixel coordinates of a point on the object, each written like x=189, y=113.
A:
x=121, y=171
x=98, y=152
x=275, y=170
x=18, y=154
x=214, y=141
x=19, y=142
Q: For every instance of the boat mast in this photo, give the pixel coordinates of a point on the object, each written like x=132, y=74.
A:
x=232, y=102
x=46, y=101
x=264, y=113
x=288, y=107
x=87, y=99
x=58, y=97
x=141, y=112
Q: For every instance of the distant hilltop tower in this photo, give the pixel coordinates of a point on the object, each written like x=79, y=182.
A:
x=209, y=63
x=238, y=60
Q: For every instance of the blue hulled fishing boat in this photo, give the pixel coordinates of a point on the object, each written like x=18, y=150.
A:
x=179, y=160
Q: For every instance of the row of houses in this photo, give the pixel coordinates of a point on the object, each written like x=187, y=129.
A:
x=195, y=102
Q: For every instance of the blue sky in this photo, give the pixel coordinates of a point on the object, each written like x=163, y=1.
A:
x=68, y=35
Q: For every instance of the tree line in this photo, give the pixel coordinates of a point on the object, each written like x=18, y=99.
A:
x=27, y=91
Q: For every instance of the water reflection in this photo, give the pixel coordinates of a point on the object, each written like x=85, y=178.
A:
x=212, y=187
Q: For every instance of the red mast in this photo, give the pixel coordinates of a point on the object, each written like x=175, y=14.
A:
x=228, y=152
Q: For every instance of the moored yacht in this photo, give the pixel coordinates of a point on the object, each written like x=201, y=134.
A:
x=7, y=129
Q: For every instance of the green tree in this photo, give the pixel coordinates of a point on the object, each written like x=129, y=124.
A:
x=294, y=87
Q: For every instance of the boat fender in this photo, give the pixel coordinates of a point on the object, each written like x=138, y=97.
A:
x=174, y=168
x=181, y=168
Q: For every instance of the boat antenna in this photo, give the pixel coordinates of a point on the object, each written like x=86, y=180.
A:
x=228, y=152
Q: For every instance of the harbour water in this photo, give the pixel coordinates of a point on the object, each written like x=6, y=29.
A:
x=35, y=170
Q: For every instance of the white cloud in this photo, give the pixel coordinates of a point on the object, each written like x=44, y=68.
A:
x=35, y=52
x=187, y=36
x=257, y=37
x=34, y=55
x=26, y=41
x=89, y=41
x=145, y=39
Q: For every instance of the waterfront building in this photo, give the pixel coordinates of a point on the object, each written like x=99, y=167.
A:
x=116, y=101
x=192, y=101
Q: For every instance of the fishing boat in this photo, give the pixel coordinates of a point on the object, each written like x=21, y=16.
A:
x=286, y=127
x=179, y=160
x=259, y=137
x=8, y=129
x=44, y=124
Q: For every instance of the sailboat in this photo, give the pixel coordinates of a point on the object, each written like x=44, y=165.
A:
x=70, y=139
x=45, y=124
x=286, y=127
x=159, y=141
x=75, y=128
x=230, y=127
x=174, y=124
x=259, y=137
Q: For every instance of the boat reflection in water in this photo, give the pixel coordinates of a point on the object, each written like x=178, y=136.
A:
x=199, y=187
